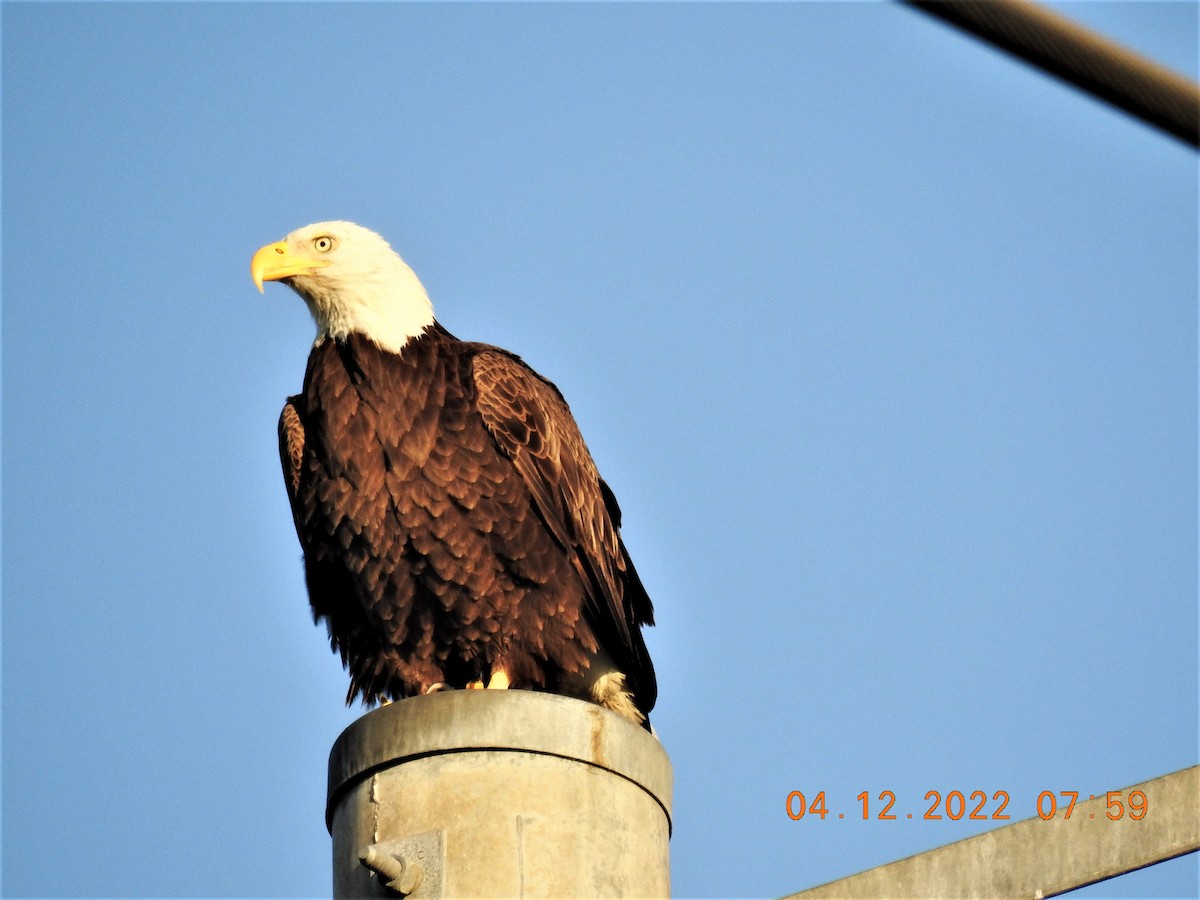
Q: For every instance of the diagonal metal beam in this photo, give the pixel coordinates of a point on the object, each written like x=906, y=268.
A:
x=1044, y=858
x=1107, y=70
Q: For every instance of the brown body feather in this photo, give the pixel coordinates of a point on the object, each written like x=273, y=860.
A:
x=453, y=522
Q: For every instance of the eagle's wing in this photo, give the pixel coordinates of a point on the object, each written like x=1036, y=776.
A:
x=533, y=426
x=291, y=451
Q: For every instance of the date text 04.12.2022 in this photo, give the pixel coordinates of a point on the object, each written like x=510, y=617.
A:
x=975, y=806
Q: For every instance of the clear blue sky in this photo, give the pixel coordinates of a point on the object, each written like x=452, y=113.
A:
x=886, y=343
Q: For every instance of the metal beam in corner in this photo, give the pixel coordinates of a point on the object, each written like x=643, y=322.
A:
x=1038, y=858
x=1105, y=69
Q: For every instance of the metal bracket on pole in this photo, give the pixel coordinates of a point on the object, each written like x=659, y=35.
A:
x=388, y=862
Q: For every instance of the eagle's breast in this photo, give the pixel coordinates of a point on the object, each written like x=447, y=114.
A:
x=423, y=549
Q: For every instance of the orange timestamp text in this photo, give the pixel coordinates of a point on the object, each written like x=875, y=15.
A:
x=975, y=806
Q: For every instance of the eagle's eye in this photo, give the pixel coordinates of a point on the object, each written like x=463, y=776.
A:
x=324, y=243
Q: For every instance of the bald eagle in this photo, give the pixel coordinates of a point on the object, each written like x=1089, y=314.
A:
x=456, y=533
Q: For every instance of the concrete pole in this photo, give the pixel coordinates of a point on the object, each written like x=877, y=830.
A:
x=498, y=794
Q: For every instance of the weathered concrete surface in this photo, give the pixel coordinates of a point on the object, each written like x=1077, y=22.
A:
x=1035, y=858
x=502, y=794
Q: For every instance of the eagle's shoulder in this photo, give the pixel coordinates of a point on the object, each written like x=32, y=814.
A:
x=524, y=411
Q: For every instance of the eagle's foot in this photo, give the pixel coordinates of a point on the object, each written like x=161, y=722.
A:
x=610, y=692
x=437, y=686
x=498, y=682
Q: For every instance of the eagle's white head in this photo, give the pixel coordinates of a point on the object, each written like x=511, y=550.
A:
x=351, y=280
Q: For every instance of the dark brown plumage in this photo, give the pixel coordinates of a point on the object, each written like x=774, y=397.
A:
x=454, y=525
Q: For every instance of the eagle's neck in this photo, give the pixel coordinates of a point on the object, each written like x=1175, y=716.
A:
x=390, y=309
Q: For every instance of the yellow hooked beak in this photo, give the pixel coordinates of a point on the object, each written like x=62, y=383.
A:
x=275, y=261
